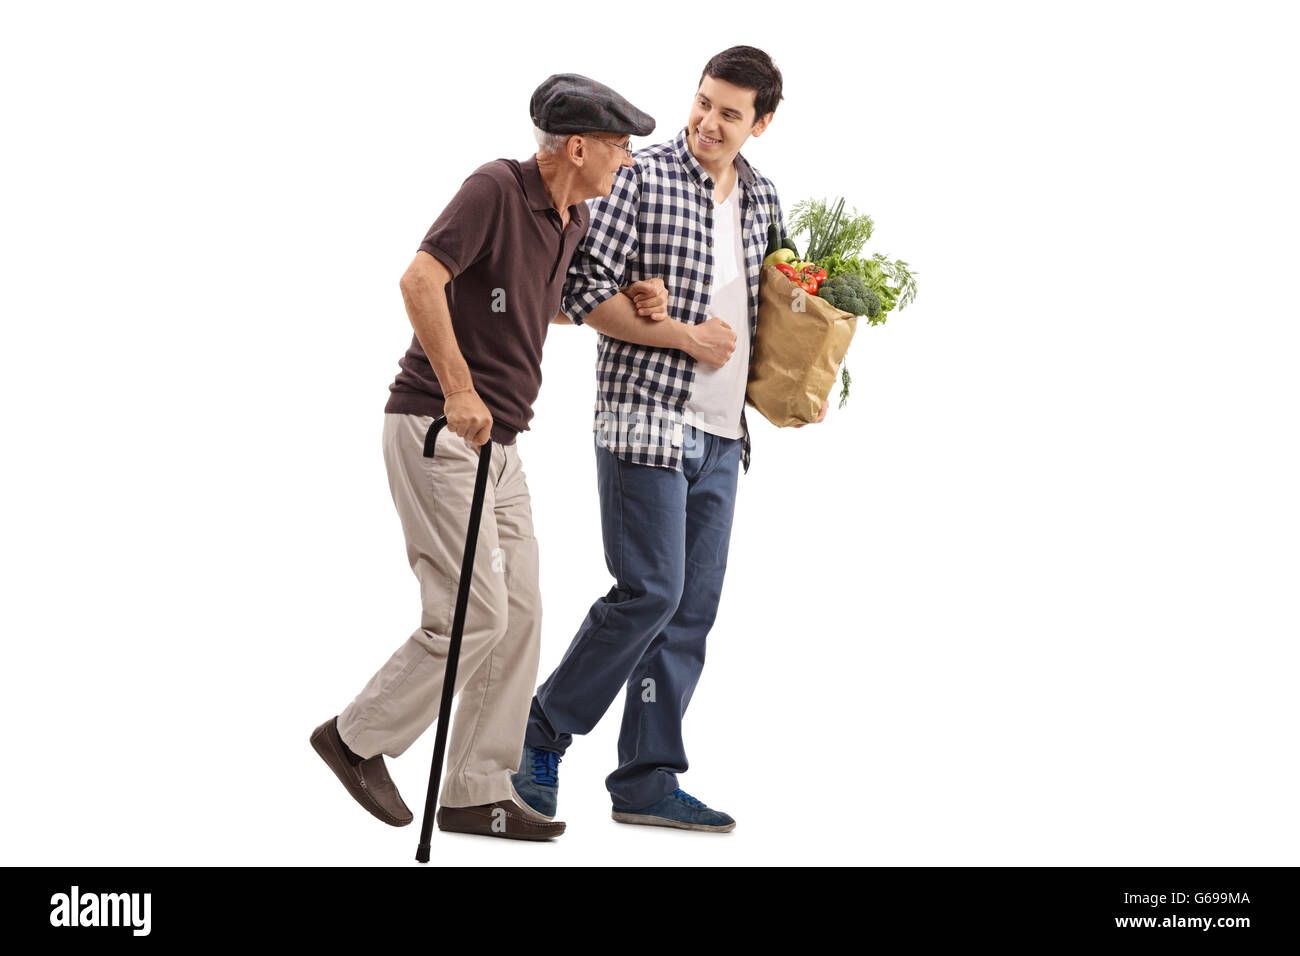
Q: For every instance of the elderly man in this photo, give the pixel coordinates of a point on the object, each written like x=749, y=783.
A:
x=481, y=293
x=670, y=439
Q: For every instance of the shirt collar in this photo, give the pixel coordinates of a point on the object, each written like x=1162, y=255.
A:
x=744, y=172
x=535, y=189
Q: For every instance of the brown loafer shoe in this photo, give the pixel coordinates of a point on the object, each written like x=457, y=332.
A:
x=501, y=819
x=367, y=781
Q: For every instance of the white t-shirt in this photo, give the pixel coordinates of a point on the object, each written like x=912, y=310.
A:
x=718, y=396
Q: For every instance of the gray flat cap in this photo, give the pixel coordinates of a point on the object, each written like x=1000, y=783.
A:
x=569, y=103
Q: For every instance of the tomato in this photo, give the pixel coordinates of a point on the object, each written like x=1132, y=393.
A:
x=810, y=277
x=813, y=273
x=787, y=271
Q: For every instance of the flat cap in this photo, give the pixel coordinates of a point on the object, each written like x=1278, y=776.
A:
x=569, y=103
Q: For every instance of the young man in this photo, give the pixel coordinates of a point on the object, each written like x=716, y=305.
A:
x=481, y=293
x=670, y=438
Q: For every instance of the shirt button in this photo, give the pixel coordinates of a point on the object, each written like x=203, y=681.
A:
x=710, y=242
x=706, y=281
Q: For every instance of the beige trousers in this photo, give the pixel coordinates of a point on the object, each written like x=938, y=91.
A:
x=497, y=670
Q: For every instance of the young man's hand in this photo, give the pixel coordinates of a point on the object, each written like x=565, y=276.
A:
x=650, y=298
x=711, y=343
x=821, y=417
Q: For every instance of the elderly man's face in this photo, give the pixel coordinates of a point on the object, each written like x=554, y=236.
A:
x=603, y=160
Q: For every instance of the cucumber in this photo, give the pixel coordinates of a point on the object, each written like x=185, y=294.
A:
x=788, y=243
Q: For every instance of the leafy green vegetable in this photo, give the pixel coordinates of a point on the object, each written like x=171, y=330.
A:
x=893, y=282
x=849, y=292
x=830, y=232
x=844, y=386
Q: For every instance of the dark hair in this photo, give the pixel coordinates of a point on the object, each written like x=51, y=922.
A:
x=751, y=68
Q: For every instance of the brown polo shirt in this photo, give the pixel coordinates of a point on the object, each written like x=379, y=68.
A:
x=501, y=240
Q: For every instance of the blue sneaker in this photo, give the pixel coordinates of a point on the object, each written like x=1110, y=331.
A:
x=537, y=784
x=678, y=809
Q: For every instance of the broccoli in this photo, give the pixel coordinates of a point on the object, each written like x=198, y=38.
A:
x=847, y=291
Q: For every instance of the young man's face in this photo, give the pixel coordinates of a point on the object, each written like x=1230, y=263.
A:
x=721, y=119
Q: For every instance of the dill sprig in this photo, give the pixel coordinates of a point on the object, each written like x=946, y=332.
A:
x=830, y=231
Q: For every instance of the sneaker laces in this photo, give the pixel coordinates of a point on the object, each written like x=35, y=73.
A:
x=688, y=799
x=546, y=765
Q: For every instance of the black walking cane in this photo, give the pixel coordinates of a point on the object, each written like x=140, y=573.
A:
x=457, y=627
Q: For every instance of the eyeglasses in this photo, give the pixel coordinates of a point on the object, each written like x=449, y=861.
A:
x=609, y=143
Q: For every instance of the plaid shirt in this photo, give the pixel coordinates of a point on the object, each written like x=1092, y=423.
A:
x=658, y=221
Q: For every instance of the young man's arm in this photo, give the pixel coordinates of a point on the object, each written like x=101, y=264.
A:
x=597, y=275
x=649, y=296
x=710, y=343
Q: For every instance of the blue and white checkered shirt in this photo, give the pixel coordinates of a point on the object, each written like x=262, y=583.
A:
x=658, y=221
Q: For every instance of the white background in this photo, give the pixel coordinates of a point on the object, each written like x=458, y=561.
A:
x=1028, y=599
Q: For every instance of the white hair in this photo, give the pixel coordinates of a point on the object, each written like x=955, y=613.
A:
x=550, y=142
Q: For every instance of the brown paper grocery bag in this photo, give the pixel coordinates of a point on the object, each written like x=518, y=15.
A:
x=797, y=354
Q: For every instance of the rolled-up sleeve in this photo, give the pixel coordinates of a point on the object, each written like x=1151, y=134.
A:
x=599, y=265
x=463, y=233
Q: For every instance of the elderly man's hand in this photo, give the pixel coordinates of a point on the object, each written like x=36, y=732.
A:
x=650, y=298
x=468, y=417
x=820, y=418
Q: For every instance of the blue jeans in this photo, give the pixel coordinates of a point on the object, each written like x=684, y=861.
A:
x=666, y=537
